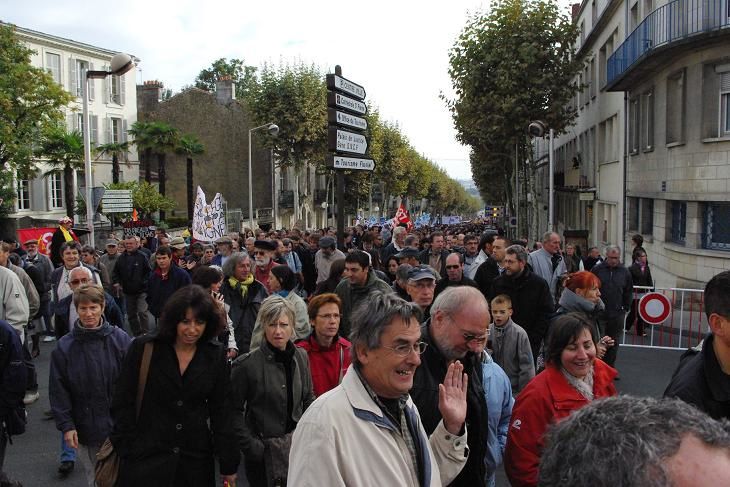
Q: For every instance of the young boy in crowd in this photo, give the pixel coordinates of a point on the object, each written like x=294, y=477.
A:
x=510, y=345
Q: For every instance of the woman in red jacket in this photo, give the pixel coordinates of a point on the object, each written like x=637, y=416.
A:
x=572, y=378
x=329, y=354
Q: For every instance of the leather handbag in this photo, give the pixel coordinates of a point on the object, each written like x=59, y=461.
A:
x=276, y=459
x=106, y=469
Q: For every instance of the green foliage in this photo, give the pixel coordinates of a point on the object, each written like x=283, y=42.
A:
x=145, y=198
x=189, y=146
x=243, y=76
x=7, y=193
x=64, y=152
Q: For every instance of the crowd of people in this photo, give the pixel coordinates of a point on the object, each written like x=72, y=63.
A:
x=425, y=357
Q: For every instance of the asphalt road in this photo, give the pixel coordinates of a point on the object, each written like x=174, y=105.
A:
x=33, y=456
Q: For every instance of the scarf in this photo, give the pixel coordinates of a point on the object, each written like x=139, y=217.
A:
x=66, y=234
x=241, y=286
x=583, y=386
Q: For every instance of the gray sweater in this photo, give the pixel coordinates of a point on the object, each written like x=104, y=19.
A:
x=511, y=350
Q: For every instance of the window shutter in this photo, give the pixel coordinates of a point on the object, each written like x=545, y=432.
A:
x=106, y=88
x=108, y=130
x=70, y=121
x=92, y=82
x=725, y=82
x=123, y=138
x=72, y=76
x=94, y=129
x=122, y=89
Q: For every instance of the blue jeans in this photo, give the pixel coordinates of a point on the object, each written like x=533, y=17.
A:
x=68, y=454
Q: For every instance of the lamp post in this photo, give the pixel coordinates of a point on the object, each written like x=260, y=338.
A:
x=120, y=64
x=273, y=130
x=538, y=129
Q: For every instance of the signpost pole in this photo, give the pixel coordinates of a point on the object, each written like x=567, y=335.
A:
x=340, y=194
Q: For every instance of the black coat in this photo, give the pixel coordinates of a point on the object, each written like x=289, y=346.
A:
x=446, y=283
x=641, y=278
x=485, y=275
x=423, y=258
x=700, y=381
x=171, y=444
x=616, y=288
x=425, y=394
x=243, y=311
x=532, y=303
x=132, y=271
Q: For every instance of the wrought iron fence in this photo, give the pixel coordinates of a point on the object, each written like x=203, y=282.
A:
x=674, y=21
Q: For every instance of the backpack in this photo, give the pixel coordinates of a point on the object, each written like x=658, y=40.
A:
x=13, y=381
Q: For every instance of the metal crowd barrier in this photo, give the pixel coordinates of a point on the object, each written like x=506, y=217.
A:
x=685, y=327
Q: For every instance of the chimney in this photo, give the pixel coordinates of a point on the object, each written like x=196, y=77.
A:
x=148, y=96
x=575, y=10
x=225, y=90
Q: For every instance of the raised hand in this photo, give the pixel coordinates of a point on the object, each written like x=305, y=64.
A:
x=452, y=398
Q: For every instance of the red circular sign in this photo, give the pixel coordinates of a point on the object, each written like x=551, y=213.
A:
x=654, y=308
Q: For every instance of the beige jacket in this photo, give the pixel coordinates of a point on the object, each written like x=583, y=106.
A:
x=344, y=440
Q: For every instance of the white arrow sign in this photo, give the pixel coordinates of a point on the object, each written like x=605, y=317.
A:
x=342, y=162
x=335, y=82
x=343, y=118
x=344, y=141
x=342, y=101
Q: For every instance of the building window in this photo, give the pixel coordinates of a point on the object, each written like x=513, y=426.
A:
x=633, y=214
x=116, y=130
x=53, y=66
x=55, y=190
x=647, y=216
x=593, y=78
x=116, y=90
x=81, y=68
x=717, y=230
x=23, y=194
x=675, y=108
x=647, y=120
x=679, y=222
x=634, y=126
x=724, y=104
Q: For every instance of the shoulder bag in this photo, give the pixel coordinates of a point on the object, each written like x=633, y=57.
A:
x=106, y=470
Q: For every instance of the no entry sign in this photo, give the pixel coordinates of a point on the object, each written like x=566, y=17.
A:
x=654, y=308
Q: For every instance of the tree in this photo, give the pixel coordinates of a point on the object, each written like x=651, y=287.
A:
x=64, y=152
x=116, y=151
x=140, y=131
x=243, y=76
x=504, y=75
x=189, y=146
x=30, y=103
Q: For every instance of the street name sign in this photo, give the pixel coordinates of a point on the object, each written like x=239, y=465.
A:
x=343, y=162
x=117, y=201
x=346, y=119
x=336, y=100
x=336, y=82
x=345, y=141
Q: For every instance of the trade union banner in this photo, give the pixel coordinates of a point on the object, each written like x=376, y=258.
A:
x=209, y=220
x=41, y=235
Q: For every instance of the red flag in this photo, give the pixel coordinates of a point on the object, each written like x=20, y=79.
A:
x=134, y=215
x=42, y=235
x=402, y=216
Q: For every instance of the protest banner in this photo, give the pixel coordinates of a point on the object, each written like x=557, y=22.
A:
x=209, y=220
x=41, y=235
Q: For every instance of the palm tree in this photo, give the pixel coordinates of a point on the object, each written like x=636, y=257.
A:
x=64, y=152
x=189, y=146
x=116, y=151
x=158, y=138
x=141, y=133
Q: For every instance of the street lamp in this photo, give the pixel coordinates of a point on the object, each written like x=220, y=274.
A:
x=537, y=129
x=120, y=64
x=273, y=130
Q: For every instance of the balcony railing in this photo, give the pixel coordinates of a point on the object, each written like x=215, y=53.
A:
x=669, y=23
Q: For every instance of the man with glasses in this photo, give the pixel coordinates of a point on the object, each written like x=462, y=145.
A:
x=454, y=274
x=421, y=286
x=371, y=414
x=457, y=331
x=471, y=254
x=532, y=303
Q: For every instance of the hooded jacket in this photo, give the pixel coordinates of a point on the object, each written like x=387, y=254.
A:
x=84, y=367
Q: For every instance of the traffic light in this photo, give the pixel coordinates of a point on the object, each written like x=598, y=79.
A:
x=496, y=211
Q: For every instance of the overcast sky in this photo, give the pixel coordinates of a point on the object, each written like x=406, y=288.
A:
x=396, y=49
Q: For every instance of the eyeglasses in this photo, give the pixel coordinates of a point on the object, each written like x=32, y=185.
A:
x=452, y=267
x=79, y=281
x=330, y=316
x=478, y=339
x=405, y=349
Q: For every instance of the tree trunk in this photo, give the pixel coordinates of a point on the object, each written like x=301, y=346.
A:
x=534, y=203
x=147, y=165
x=69, y=192
x=191, y=200
x=115, y=168
x=161, y=176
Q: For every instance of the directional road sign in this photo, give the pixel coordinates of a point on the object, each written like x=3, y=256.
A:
x=343, y=162
x=117, y=201
x=344, y=118
x=336, y=82
x=345, y=141
x=335, y=100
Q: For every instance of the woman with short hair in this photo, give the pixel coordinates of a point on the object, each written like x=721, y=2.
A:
x=573, y=377
x=272, y=387
x=329, y=353
x=185, y=419
x=80, y=394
